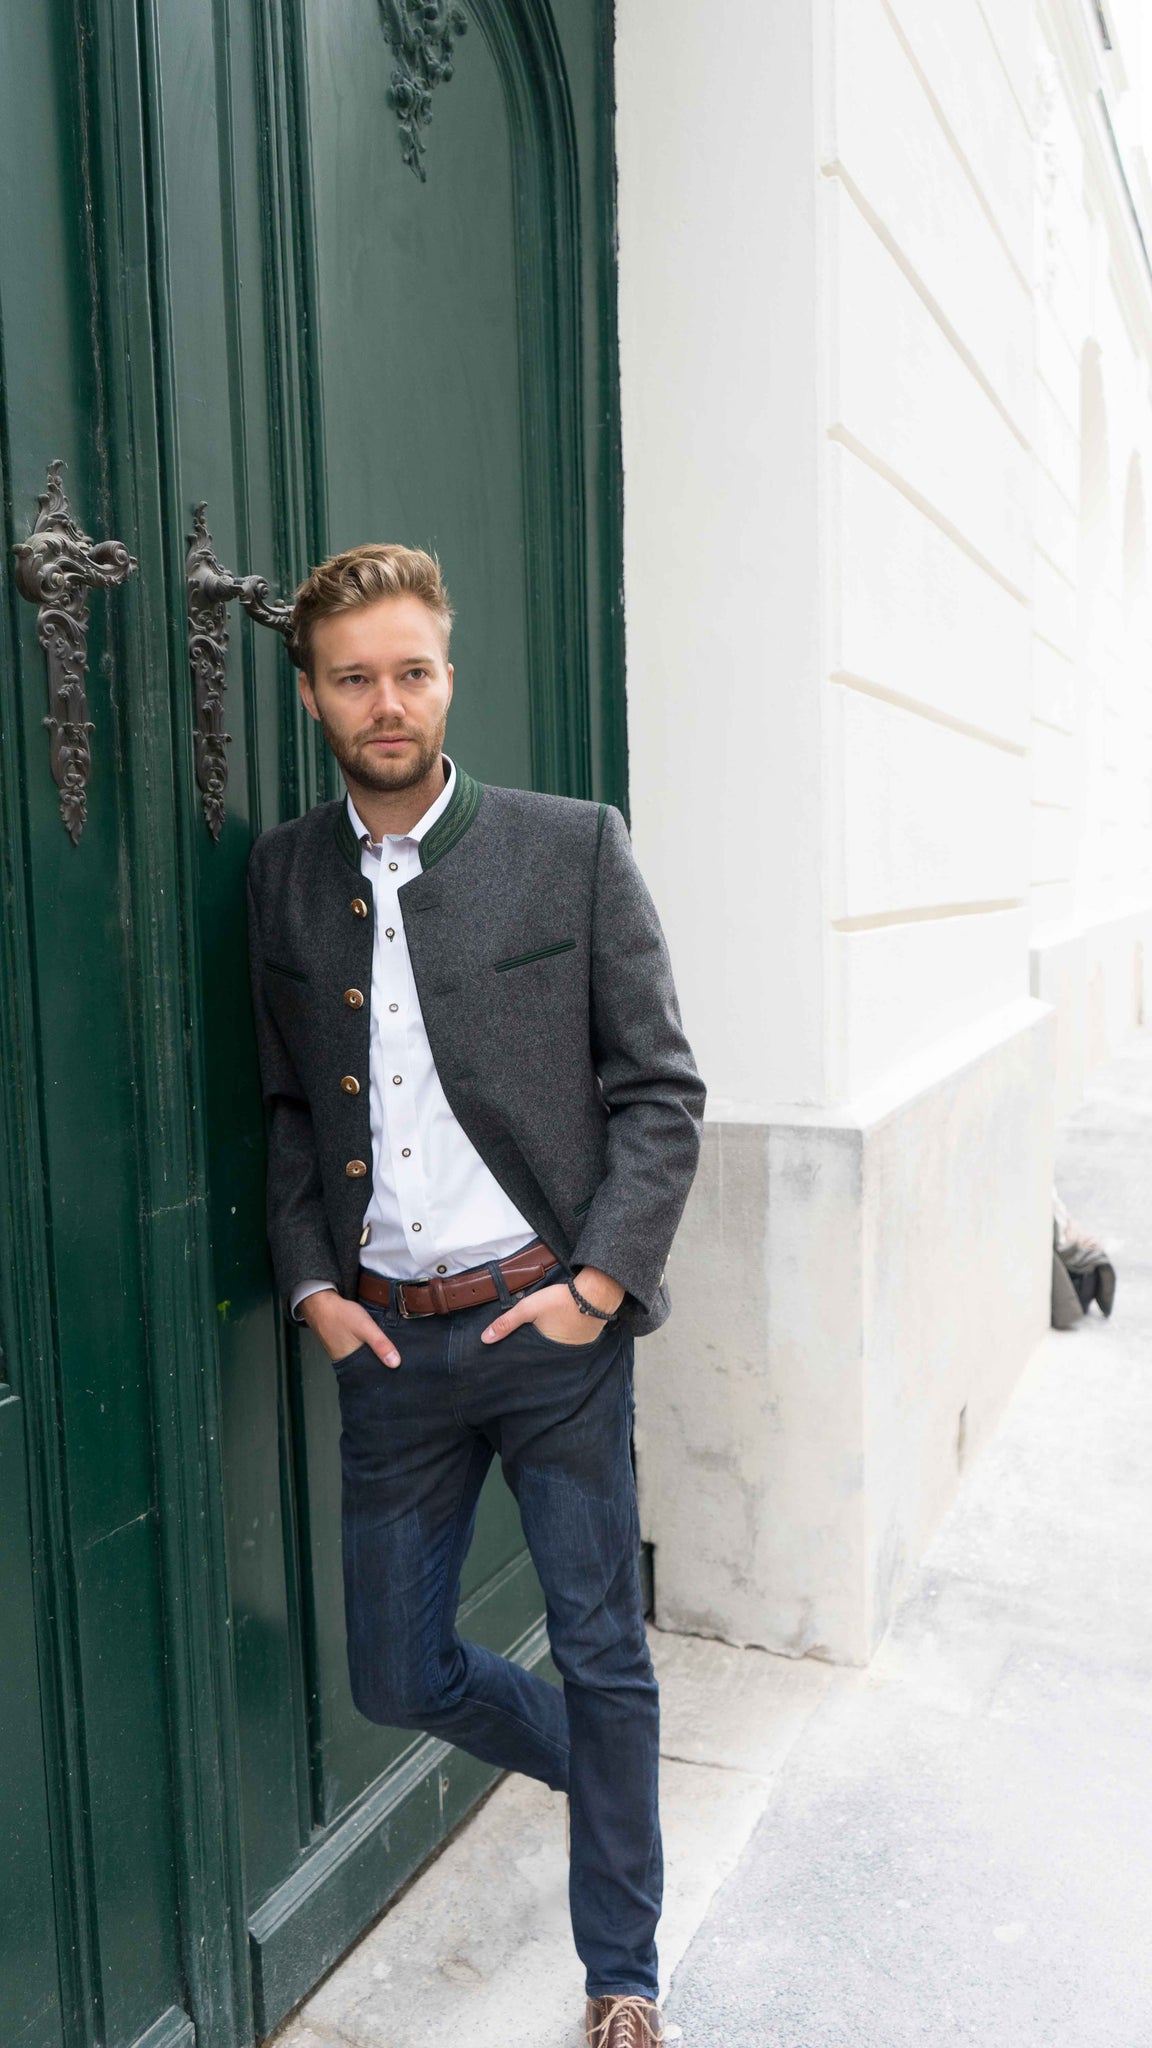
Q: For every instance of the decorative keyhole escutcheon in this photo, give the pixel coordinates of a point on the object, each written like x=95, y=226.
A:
x=211, y=589
x=56, y=567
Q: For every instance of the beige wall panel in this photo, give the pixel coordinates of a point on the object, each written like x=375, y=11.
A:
x=1053, y=686
x=930, y=816
x=1057, y=447
x=900, y=388
x=1054, y=767
x=904, y=988
x=954, y=50
x=915, y=614
x=1054, y=840
x=908, y=172
x=1055, y=605
x=1056, y=525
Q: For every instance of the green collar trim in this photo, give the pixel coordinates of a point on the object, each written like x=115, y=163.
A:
x=346, y=839
x=453, y=823
x=450, y=826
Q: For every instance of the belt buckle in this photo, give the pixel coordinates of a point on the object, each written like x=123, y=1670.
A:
x=405, y=1312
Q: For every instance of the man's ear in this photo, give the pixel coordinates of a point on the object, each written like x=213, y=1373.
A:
x=450, y=673
x=307, y=695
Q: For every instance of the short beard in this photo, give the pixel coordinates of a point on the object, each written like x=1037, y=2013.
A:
x=380, y=772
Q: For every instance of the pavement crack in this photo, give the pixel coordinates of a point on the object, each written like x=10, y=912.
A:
x=710, y=1763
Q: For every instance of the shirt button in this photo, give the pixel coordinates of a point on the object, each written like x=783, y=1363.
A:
x=393, y=1006
x=350, y=1084
x=354, y=998
x=355, y=1169
x=393, y=865
x=441, y=1269
x=396, y=1080
x=407, y=1152
x=359, y=907
x=415, y=1226
x=390, y=933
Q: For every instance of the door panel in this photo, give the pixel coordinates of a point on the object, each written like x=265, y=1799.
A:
x=73, y=1292
x=420, y=341
x=30, y=2015
x=443, y=344
x=441, y=400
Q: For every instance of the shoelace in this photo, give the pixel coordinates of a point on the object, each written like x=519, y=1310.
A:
x=636, y=2013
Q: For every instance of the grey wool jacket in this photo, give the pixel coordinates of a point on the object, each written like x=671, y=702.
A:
x=547, y=996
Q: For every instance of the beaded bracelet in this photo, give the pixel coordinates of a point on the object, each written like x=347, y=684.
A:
x=602, y=1315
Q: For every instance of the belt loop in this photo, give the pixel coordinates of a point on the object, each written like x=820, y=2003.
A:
x=492, y=1266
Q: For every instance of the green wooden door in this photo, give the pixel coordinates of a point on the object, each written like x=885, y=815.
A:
x=232, y=274
x=90, y=1883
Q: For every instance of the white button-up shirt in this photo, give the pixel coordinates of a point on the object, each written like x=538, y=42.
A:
x=434, y=1207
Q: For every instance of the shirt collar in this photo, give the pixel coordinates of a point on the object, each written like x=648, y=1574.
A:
x=415, y=832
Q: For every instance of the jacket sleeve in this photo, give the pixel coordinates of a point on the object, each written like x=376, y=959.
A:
x=298, y=1232
x=648, y=1079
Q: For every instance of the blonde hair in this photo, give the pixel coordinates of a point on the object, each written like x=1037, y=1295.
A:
x=362, y=576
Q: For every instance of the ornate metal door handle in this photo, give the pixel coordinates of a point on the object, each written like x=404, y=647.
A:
x=211, y=589
x=56, y=567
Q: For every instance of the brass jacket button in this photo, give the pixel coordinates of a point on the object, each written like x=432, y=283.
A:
x=359, y=907
x=354, y=998
x=355, y=1169
x=350, y=1084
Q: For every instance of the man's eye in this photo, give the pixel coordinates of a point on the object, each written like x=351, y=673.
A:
x=353, y=679
x=416, y=672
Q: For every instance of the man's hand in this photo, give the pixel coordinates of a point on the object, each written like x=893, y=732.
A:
x=342, y=1326
x=554, y=1312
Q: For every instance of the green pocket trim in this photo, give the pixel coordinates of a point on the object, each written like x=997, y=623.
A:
x=292, y=973
x=541, y=953
x=579, y=1208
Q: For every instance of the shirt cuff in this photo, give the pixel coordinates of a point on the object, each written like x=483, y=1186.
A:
x=302, y=1292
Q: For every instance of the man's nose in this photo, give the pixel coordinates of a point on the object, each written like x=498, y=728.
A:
x=387, y=705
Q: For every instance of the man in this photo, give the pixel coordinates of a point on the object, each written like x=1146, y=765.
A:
x=484, y=1122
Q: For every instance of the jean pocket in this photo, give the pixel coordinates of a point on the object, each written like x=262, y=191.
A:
x=558, y=1344
x=350, y=1357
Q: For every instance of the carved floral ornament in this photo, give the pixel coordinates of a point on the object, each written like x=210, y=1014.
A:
x=421, y=34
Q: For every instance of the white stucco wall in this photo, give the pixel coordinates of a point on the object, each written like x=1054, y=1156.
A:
x=1091, y=878
x=886, y=336
x=721, y=340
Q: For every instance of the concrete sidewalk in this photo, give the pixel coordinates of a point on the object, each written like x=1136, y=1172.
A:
x=479, y=1948
x=955, y=1845
x=960, y=1849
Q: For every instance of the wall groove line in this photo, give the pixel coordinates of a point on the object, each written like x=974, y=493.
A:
x=847, y=439
x=866, y=687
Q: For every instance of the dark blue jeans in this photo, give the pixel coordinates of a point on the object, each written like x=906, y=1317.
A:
x=417, y=1442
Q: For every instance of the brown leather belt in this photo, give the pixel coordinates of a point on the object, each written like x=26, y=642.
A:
x=450, y=1291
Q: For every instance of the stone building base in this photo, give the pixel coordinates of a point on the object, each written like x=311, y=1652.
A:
x=855, y=1293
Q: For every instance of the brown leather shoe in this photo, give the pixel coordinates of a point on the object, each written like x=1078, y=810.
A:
x=622, y=2020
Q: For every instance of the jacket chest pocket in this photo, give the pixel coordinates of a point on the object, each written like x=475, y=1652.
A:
x=538, y=953
x=538, y=997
